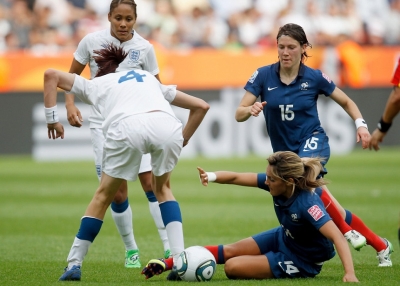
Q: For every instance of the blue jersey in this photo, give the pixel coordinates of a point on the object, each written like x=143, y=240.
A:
x=301, y=216
x=291, y=112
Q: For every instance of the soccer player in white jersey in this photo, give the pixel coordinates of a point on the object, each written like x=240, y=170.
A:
x=141, y=55
x=137, y=120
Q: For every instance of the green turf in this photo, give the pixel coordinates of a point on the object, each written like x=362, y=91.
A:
x=41, y=205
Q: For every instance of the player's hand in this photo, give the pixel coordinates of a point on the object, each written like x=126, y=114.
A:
x=364, y=136
x=376, y=138
x=55, y=130
x=257, y=107
x=203, y=176
x=350, y=278
x=74, y=115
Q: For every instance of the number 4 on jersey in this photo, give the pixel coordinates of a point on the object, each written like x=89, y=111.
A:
x=132, y=75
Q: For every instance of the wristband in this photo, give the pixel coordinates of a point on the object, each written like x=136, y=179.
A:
x=51, y=114
x=211, y=176
x=360, y=123
x=383, y=126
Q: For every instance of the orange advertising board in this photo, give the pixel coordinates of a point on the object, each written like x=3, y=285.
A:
x=213, y=69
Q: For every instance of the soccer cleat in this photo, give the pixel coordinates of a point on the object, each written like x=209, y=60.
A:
x=173, y=276
x=154, y=267
x=167, y=254
x=132, y=259
x=73, y=274
x=355, y=239
x=384, y=255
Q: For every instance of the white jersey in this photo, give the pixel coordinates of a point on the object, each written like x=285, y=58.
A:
x=122, y=94
x=141, y=55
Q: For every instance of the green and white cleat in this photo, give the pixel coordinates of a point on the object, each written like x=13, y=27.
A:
x=132, y=259
x=167, y=254
x=384, y=255
x=355, y=239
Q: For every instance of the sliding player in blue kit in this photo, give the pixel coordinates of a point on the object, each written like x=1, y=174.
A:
x=302, y=242
x=288, y=92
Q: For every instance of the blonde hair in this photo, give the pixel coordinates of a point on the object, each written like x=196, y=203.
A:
x=304, y=172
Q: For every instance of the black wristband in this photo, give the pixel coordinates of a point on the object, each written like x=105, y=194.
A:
x=383, y=126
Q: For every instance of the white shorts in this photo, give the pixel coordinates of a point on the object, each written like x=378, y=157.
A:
x=157, y=133
x=98, y=140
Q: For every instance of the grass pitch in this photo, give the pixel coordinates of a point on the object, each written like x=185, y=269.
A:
x=41, y=205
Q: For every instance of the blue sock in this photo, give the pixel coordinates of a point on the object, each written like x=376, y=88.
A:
x=89, y=228
x=221, y=258
x=151, y=197
x=170, y=211
x=120, y=208
x=349, y=217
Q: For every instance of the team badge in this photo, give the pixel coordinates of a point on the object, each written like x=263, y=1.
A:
x=253, y=77
x=316, y=212
x=304, y=86
x=134, y=55
x=326, y=77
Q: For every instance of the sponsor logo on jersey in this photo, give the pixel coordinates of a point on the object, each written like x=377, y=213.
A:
x=294, y=217
x=253, y=77
x=326, y=77
x=272, y=88
x=315, y=212
x=304, y=86
x=134, y=55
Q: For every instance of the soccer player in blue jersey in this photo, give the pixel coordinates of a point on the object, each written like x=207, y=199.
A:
x=299, y=246
x=288, y=92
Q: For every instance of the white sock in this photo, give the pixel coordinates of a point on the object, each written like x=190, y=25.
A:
x=123, y=221
x=78, y=252
x=156, y=213
x=175, y=235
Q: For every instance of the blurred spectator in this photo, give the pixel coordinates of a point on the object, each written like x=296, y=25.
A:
x=193, y=28
x=163, y=23
x=21, y=20
x=220, y=24
x=392, y=35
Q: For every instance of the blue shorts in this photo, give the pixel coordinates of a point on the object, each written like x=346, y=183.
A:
x=316, y=146
x=283, y=264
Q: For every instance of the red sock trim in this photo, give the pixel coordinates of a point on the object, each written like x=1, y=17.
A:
x=334, y=213
x=214, y=250
x=169, y=262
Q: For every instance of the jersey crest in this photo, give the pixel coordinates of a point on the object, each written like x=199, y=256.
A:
x=316, y=212
x=304, y=86
x=134, y=55
x=253, y=77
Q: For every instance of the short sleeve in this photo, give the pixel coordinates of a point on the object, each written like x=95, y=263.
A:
x=84, y=89
x=255, y=84
x=261, y=178
x=315, y=212
x=82, y=52
x=169, y=92
x=150, y=63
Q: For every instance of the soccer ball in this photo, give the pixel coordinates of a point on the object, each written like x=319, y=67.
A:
x=195, y=263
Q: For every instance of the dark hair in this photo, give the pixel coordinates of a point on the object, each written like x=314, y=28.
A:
x=109, y=58
x=115, y=3
x=303, y=171
x=296, y=32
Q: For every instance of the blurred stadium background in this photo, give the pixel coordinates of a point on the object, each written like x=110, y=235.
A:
x=209, y=48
